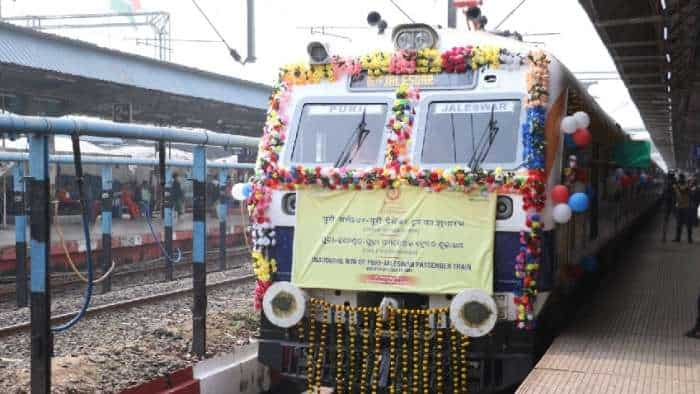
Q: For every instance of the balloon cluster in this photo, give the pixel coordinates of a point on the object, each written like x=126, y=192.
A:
x=576, y=126
x=565, y=204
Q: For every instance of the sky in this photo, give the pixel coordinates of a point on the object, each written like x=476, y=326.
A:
x=282, y=33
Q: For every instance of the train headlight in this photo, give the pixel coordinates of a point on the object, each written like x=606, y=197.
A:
x=423, y=39
x=284, y=304
x=414, y=36
x=318, y=53
x=504, y=208
x=289, y=204
x=473, y=312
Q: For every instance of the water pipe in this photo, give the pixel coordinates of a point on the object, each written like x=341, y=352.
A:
x=99, y=128
x=111, y=160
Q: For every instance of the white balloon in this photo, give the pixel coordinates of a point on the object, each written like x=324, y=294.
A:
x=237, y=191
x=569, y=125
x=582, y=119
x=561, y=213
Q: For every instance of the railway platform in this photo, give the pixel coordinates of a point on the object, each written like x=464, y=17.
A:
x=131, y=227
x=630, y=336
x=131, y=239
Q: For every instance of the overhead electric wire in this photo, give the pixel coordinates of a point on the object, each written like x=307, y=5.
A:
x=211, y=24
x=510, y=14
x=402, y=11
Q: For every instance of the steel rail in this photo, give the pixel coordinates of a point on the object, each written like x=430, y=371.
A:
x=60, y=285
x=15, y=328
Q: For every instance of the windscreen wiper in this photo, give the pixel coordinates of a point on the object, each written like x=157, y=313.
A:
x=485, y=141
x=353, y=145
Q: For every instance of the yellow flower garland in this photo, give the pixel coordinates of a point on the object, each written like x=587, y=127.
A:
x=263, y=267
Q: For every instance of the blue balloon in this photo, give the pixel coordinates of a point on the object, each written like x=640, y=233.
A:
x=569, y=141
x=247, y=190
x=578, y=202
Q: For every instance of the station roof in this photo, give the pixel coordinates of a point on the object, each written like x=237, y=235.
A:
x=45, y=74
x=655, y=51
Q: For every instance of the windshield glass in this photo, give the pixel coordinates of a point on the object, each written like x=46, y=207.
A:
x=326, y=130
x=455, y=132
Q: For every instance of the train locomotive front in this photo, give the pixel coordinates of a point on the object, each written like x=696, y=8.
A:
x=402, y=229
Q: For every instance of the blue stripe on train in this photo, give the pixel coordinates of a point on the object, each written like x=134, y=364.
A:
x=506, y=250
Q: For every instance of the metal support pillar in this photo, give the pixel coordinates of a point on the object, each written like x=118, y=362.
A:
x=20, y=234
x=41, y=339
x=451, y=14
x=168, y=222
x=223, y=213
x=199, y=251
x=107, y=196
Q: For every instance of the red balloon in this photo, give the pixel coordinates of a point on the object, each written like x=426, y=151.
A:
x=625, y=180
x=582, y=137
x=560, y=194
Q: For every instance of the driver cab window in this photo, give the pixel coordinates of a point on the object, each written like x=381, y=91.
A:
x=457, y=132
x=327, y=130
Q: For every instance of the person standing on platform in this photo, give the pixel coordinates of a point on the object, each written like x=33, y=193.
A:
x=176, y=194
x=668, y=201
x=683, y=192
x=145, y=198
x=694, y=200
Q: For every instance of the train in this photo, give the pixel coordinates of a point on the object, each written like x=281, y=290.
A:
x=421, y=206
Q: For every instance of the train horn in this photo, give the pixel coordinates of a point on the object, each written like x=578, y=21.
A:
x=284, y=304
x=473, y=312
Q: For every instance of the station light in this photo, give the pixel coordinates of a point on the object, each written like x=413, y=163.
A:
x=663, y=5
x=668, y=58
x=665, y=33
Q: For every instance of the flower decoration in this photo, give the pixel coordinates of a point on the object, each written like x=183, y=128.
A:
x=263, y=269
x=403, y=62
x=457, y=60
x=377, y=63
x=397, y=169
x=400, y=130
x=534, y=193
x=428, y=61
x=485, y=56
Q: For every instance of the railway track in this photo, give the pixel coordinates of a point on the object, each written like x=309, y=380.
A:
x=130, y=303
x=64, y=281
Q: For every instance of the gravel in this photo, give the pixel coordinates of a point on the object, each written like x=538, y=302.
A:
x=112, y=351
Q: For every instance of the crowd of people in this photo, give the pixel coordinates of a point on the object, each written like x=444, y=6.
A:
x=133, y=200
x=681, y=198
